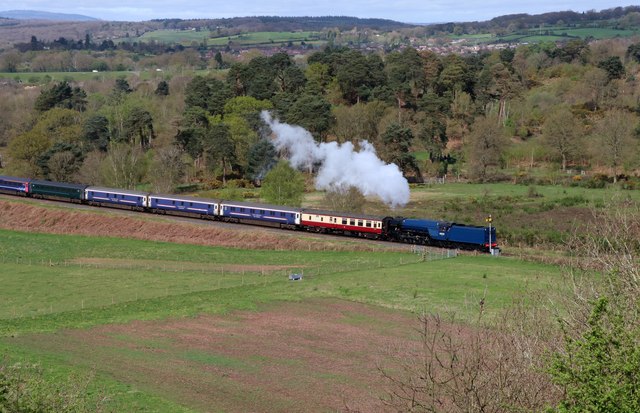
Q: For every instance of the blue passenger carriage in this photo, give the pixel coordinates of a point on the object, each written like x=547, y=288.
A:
x=272, y=215
x=95, y=195
x=14, y=186
x=184, y=205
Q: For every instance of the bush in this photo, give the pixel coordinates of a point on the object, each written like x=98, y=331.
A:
x=23, y=388
x=532, y=192
x=572, y=201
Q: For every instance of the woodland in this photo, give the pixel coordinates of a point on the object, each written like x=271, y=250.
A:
x=541, y=113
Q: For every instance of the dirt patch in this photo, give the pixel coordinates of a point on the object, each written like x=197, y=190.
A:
x=31, y=218
x=319, y=355
x=177, y=266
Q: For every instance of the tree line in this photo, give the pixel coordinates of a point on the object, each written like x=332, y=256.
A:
x=499, y=115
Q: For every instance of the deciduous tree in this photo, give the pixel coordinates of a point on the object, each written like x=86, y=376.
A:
x=615, y=137
x=283, y=185
x=562, y=133
x=485, y=146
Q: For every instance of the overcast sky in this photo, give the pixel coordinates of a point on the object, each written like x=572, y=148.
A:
x=412, y=11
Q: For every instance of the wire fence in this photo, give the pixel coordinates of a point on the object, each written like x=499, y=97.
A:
x=193, y=278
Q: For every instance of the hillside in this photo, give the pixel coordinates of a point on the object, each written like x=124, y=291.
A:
x=43, y=15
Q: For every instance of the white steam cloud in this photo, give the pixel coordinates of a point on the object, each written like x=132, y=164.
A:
x=340, y=165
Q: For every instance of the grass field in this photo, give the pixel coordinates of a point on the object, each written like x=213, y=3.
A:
x=49, y=77
x=545, y=34
x=187, y=37
x=167, y=327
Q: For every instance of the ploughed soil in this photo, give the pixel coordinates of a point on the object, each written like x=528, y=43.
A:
x=32, y=218
x=314, y=356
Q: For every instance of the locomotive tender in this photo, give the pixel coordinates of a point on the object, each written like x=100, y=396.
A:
x=399, y=229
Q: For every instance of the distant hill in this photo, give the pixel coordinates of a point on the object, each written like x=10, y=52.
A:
x=44, y=15
x=284, y=23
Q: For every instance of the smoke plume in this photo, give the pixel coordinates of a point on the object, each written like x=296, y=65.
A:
x=341, y=166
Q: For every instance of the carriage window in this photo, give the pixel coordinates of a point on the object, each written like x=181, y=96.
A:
x=344, y=221
x=241, y=209
x=262, y=211
x=359, y=223
x=368, y=224
x=352, y=222
x=321, y=219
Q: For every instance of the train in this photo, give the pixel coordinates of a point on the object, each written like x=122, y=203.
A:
x=396, y=229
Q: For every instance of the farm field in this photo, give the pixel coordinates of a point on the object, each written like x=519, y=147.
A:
x=40, y=78
x=549, y=34
x=180, y=327
x=186, y=37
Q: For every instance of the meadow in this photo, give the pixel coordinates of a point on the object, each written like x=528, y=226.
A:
x=549, y=34
x=43, y=78
x=187, y=37
x=160, y=326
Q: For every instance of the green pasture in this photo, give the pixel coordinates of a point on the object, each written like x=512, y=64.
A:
x=48, y=282
x=52, y=77
x=55, y=282
x=173, y=36
x=48, y=77
x=556, y=33
x=258, y=38
x=187, y=37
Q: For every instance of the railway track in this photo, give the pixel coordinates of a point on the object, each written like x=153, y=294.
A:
x=116, y=212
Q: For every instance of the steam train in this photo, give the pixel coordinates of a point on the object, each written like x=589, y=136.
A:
x=398, y=229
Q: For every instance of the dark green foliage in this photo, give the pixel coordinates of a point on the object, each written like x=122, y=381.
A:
x=218, y=59
x=138, y=127
x=220, y=148
x=455, y=75
x=61, y=161
x=406, y=76
x=613, y=66
x=190, y=140
x=288, y=77
x=397, y=144
x=95, y=133
x=122, y=86
x=261, y=158
x=573, y=50
x=600, y=370
x=357, y=75
x=61, y=95
x=312, y=113
x=507, y=55
x=193, y=128
x=633, y=52
x=207, y=93
x=162, y=89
